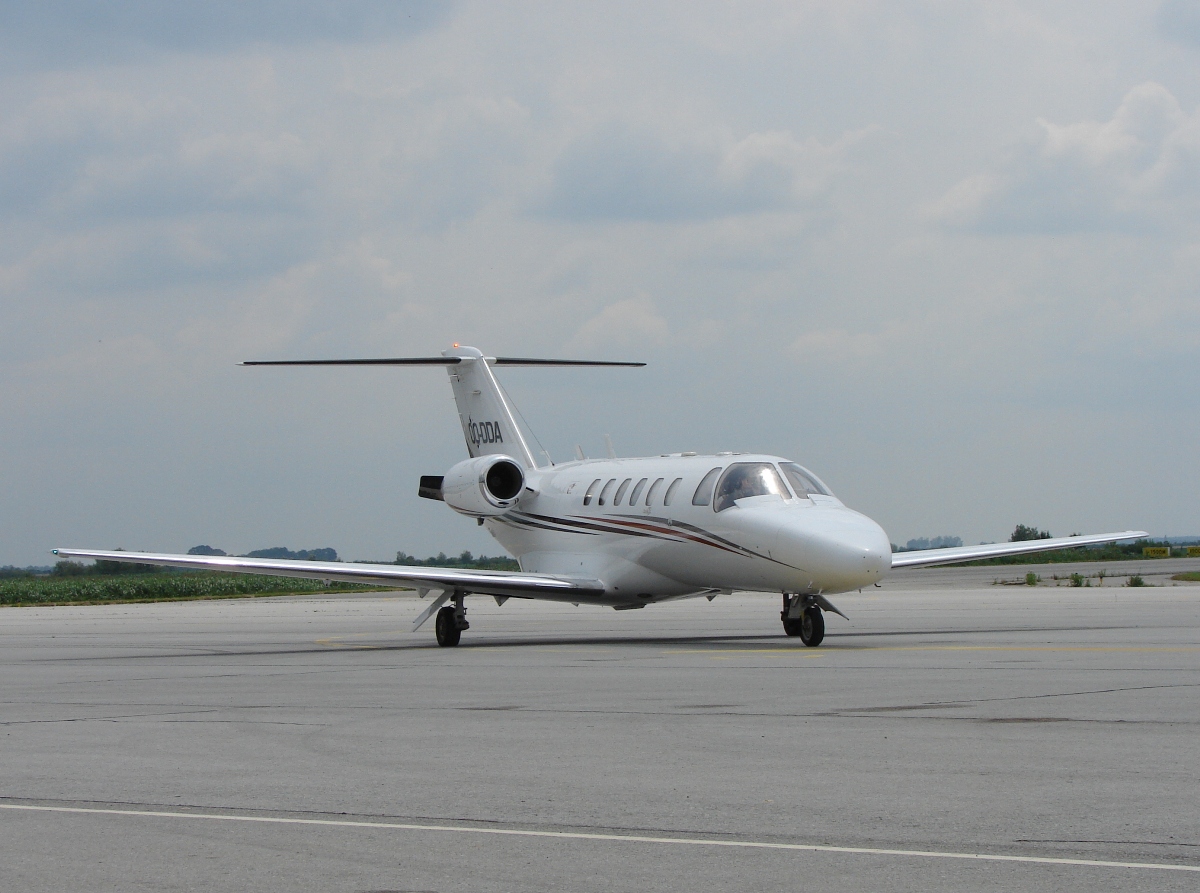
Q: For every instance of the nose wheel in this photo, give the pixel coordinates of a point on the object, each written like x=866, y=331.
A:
x=802, y=617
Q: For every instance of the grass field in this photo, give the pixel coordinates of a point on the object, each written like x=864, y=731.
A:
x=1110, y=552
x=1188, y=577
x=99, y=589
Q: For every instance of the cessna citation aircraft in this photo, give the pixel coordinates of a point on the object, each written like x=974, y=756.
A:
x=624, y=532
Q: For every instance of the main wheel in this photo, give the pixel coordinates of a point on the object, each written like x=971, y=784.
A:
x=790, y=626
x=812, y=626
x=446, y=627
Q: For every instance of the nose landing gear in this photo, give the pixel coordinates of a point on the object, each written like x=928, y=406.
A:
x=802, y=617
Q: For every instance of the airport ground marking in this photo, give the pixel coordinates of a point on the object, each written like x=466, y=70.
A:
x=619, y=838
x=340, y=641
x=773, y=652
x=1103, y=649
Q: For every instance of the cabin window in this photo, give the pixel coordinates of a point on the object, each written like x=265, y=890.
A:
x=591, y=491
x=621, y=491
x=704, y=492
x=743, y=479
x=604, y=493
x=637, y=491
x=803, y=481
x=671, y=491
x=653, y=488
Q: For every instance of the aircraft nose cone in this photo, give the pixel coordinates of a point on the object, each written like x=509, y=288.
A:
x=877, y=555
x=845, y=549
x=871, y=549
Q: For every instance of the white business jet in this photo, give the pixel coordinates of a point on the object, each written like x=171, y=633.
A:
x=624, y=532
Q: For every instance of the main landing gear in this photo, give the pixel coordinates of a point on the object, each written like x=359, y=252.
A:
x=451, y=621
x=801, y=617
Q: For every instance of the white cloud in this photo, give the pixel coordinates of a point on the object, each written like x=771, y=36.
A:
x=698, y=186
x=846, y=346
x=1138, y=170
x=66, y=32
x=83, y=153
x=622, y=173
x=1179, y=20
x=624, y=323
x=222, y=172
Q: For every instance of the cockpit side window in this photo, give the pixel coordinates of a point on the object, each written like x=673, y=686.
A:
x=591, y=491
x=804, y=482
x=704, y=491
x=744, y=479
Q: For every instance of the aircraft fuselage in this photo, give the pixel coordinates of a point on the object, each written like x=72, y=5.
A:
x=628, y=523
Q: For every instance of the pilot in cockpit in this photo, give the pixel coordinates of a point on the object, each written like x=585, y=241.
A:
x=744, y=484
x=738, y=483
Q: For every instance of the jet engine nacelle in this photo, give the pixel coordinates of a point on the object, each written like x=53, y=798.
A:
x=483, y=486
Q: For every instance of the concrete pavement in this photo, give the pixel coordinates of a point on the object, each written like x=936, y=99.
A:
x=259, y=745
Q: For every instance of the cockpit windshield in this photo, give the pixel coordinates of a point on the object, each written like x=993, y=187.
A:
x=803, y=482
x=744, y=479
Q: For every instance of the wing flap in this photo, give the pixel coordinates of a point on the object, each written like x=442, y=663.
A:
x=503, y=583
x=931, y=557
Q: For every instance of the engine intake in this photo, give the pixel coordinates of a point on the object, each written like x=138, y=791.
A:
x=483, y=486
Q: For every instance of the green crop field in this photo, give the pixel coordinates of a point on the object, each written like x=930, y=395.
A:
x=99, y=589
x=1109, y=552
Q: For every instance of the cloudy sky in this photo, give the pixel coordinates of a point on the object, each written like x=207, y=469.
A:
x=946, y=254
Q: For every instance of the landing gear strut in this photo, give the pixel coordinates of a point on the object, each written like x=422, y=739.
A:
x=802, y=617
x=451, y=621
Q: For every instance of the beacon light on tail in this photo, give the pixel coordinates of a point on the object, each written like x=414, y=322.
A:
x=624, y=533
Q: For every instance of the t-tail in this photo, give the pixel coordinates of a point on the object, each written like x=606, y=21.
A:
x=488, y=418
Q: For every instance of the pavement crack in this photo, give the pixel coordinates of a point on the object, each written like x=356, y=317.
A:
x=1097, y=691
x=1106, y=842
x=946, y=705
x=117, y=718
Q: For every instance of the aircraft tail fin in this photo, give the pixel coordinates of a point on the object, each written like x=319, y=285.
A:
x=489, y=420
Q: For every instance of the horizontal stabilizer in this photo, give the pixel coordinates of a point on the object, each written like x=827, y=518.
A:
x=529, y=361
x=387, y=361
x=438, y=361
x=488, y=419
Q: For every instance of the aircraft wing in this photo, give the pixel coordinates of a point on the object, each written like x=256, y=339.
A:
x=513, y=584
x=930, y=557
